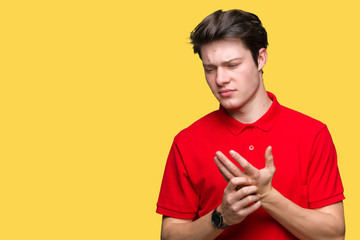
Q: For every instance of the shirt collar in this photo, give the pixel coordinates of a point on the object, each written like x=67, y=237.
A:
x=264, y=123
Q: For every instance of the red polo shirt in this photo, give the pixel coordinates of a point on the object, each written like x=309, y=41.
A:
x=304, y=157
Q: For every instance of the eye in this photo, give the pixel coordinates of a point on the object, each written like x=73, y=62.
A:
x=209, y=70
x=233, y=65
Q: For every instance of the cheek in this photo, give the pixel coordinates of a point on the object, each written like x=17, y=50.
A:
x=246, y=76
x=213, y=87
x=210, y=81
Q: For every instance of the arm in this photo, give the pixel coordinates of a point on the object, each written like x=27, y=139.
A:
x=322, y=223
x=174, y=228
x=234, y=208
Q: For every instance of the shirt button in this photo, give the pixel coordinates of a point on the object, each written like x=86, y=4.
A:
x=251, y=147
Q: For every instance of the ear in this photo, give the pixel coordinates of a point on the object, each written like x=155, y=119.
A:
x=262, y=58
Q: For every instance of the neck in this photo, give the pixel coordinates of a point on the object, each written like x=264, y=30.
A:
x=254, y=109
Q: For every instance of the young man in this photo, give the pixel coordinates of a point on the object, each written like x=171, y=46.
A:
x=220, y=179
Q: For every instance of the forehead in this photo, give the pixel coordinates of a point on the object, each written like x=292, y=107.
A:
x=223, y=50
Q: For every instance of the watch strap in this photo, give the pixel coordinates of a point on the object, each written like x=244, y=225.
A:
x=217, y=220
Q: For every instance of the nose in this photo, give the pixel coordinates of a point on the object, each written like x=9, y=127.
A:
x=222, y=76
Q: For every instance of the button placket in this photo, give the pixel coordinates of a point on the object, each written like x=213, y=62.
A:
x=251, y=143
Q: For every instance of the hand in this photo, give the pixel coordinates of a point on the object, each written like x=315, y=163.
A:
x=260, y=178
x=235, y=206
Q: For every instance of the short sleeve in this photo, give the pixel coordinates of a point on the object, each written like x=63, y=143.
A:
x=177, y=196
x=324, y=182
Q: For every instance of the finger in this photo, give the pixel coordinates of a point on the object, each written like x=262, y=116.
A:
x=230, y=166
x=249, y=169
x=245, y=191
x=269, y=159
x=250, y=209
x=246, y=202
x=235, y=182
x=223, y=170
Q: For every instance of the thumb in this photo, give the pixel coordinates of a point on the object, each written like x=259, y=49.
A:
x=269, y=159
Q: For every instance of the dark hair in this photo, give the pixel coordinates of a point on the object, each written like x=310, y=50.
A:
x=231, y=24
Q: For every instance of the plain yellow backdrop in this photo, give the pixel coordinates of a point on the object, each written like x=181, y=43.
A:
x=93, y=92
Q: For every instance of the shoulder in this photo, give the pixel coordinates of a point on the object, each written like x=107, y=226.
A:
x=200, y=127
x=303, y=122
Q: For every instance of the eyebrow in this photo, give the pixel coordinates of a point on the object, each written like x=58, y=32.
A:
x=223, y=63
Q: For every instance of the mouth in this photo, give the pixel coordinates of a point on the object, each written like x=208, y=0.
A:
x=226, y=92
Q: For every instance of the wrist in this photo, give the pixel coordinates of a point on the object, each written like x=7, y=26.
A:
x=217, y=219
x=268, y=195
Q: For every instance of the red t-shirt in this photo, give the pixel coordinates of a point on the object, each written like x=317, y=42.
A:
x=304, y=157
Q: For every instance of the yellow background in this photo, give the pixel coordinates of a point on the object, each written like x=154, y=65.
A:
x=93, y=92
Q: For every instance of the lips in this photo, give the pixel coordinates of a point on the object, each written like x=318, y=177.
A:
x=226, y=92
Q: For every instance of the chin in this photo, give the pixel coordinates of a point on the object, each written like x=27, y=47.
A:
x=230, y=106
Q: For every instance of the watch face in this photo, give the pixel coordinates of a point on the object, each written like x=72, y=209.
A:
x=216, y=219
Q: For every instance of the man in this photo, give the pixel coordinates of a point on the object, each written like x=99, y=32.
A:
x=220, y=179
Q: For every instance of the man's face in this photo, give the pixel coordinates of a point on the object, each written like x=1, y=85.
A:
x=232, y=74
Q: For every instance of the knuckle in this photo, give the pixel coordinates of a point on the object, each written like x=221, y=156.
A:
x=240, y=214
x=228, y=201
x=233, y=208
x=233, y=181
x=245, y=191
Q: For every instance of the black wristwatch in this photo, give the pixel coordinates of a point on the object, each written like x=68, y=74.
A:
x=217, y=220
